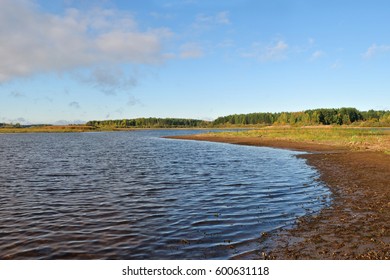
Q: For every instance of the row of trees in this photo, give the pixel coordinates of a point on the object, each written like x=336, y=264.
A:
x=149, y=123
x=10, y=125
x=342, y=116
x=309, y=117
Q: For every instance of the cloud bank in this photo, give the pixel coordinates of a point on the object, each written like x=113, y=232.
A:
x=34, y=41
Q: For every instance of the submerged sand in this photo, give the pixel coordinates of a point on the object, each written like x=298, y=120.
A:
x=355, y=226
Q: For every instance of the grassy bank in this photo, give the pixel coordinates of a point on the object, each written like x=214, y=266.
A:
x=48, y=129
x=374, y=139
x=81, y=128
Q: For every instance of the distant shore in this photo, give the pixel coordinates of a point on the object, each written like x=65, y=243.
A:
x=89, y=128
x=84, y=128
x=356, y=226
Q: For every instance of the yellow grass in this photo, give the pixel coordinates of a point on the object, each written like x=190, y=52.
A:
x=49, y=128
x=376, y=139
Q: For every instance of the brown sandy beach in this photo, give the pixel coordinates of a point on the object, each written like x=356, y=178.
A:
x=356, y=226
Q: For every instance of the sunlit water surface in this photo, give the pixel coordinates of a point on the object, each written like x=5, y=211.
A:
x=135, y=195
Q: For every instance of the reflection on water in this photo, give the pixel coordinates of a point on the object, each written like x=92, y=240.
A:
x=134, y=195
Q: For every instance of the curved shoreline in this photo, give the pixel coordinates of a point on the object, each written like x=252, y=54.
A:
x=355, y=226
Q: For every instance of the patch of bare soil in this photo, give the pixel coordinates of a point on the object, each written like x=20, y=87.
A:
x=357, y=225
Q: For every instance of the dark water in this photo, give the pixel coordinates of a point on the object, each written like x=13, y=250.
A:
x=134, y=195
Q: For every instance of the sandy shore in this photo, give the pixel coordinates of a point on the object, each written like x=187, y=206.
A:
x=356, y=226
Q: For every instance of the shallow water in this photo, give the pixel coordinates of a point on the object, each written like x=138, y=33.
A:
x=134, y=195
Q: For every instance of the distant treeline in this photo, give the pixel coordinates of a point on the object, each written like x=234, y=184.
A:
x=340, y=116
x=18, y=125
x=10, y=125
x=150, y=123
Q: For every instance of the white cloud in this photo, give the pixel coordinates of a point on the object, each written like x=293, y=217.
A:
x=375, y=50
x=316, y=55
x=204, y=21
x=191, y=50
x=271, y=52
x=161, y=16
x=222, y=17
x=33, y=41
x=276, y=51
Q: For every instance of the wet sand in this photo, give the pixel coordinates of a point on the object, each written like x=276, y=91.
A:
x=355, y=226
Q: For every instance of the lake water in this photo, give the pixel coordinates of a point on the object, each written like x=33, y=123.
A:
x=135, y=195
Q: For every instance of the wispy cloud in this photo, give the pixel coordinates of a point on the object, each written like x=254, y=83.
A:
x=226, y=44
x=336, y=65
x=375, y=49
x=172, y=3
x=45, y=99
x=161, y=16
x=16, y=120
x=16, y=94
x=316, y=55
x=222, y=17
x=38, y=42
x=272, y=52
x=191, y=50
x=132, y=101
x=108, y=80
x=276, y=51
x=74, y=105
x=204, y=21
x=66, y=122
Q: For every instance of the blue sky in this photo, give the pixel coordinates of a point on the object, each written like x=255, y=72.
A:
x=71, y=61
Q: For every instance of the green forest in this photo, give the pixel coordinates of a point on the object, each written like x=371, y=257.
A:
x=342, y=116
x=150, y=123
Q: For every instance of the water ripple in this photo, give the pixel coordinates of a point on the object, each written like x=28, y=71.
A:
x=133, y=195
